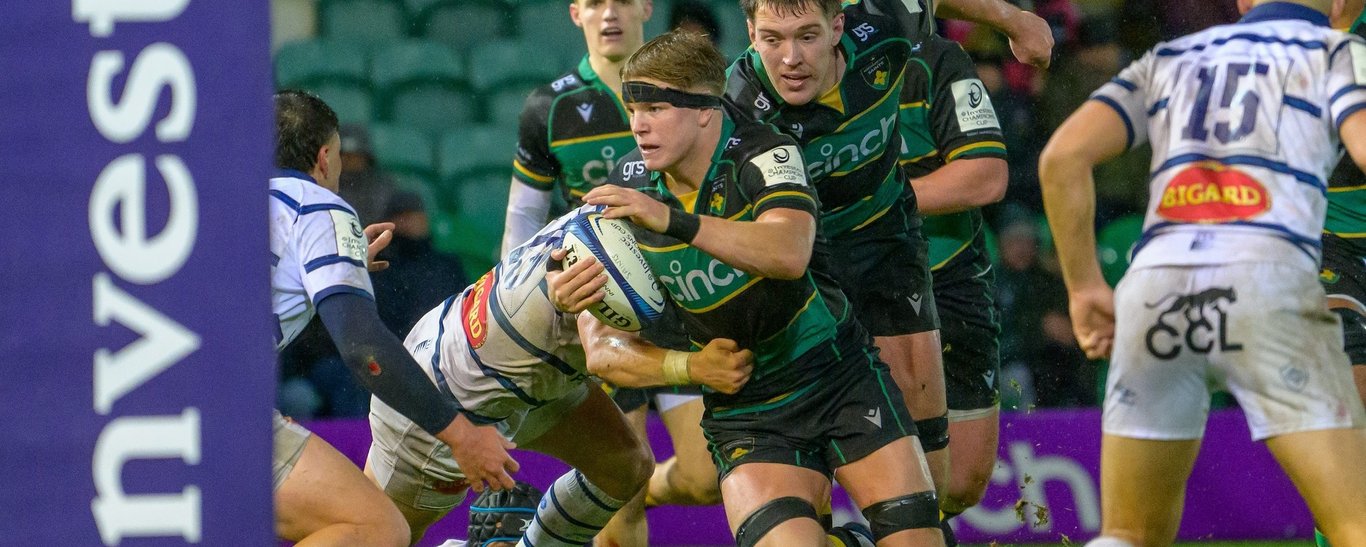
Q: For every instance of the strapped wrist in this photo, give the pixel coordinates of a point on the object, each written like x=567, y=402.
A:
x=676, y=369
x=683, y=225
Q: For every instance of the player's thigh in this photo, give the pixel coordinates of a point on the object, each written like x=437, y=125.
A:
x=412, y=467
x=1326, y=467
x=895, y=470
x=916, y=362
x=752, y=486
x=1142, y=485
x=692, y=463
x=594, y=437
x=325, y=489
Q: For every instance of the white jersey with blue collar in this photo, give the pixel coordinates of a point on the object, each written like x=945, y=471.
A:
x=1243, y=121
x=317, y=249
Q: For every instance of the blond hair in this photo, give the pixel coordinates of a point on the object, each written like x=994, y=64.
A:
x=682, y=59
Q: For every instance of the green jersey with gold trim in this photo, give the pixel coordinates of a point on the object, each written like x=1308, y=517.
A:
x=572, y=133
x=947, y=115
x=1346, y=219
x=847, y=133
x=786, y=323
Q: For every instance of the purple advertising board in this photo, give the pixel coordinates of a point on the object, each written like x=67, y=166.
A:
x=1045, y=488
x=135, y=146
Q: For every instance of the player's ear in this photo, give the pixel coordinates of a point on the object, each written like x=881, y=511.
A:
x=1335, y=11
x=706, y=116
x=574, y=13
x=1244, y=6
x=647, y=8
x=837, y=28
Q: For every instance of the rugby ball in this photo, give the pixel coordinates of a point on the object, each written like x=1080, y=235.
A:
x=633, y=299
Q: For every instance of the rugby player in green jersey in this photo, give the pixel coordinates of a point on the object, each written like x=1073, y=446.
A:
x=830, y=76
x=572, y=133
x=953, y=152
x=1344, y=242
x=729, y=228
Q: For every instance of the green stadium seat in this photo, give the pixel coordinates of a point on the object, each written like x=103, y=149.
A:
x=403, y=150
x=482, y=200
x=311, y=63
x=476, y=150
x=366, y=22
x=513, y=62
x=734, y=30
x=1114, y=242
x=504, y=106
x=477, y=247
x=546, y=24
x=351, y=103
x=461, y=23
x=422, y=84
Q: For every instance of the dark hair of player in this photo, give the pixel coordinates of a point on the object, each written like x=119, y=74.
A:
x=790, y=7
x=303, y=124
x=682, y=59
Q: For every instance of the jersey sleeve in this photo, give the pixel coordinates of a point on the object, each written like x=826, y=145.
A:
x=332, y=252
x=535, y=165
x=913, y=16
x=1346, y=79
x=1127, y=95
x=962, y=118
x=776, y=178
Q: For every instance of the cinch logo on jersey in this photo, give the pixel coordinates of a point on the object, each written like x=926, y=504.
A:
x=596, y=171
x=856, y=148
x=704, y=286
x=475, y=310
x=1212, y=192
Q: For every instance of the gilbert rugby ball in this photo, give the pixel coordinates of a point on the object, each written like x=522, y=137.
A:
x=633, y=299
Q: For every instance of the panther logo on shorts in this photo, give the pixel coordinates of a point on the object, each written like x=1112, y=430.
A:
x=1206, y=326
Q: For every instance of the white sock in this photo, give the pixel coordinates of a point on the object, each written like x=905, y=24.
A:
x=572, y=511
x=1107, y=541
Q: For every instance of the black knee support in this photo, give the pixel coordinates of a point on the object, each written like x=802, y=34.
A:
x=770, y=515
x=934, y=433
x=918, y=510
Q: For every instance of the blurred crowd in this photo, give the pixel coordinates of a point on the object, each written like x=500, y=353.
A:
x=1041, y=364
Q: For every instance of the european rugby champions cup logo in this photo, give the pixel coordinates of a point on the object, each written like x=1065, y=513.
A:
x=1210, y=193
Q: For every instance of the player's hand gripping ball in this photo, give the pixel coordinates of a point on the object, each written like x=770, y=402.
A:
x=632, y=297
x=502, y=515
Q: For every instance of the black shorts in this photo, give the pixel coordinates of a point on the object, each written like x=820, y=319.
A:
x=970, y=330
x=838, y=419
x=884, y=270
x=1344, y=277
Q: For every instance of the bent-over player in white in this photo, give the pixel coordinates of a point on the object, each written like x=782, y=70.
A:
x=1245, y=122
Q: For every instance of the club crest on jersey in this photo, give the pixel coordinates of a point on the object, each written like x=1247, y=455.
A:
x=1210, y=192
x=718, y=204
x=474, y=311
x=878, y=74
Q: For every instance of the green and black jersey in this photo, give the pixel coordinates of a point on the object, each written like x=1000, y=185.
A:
x=946, y=115
x=1346, y=222
x=794, y=327
x=847, y=133
x=572, y=133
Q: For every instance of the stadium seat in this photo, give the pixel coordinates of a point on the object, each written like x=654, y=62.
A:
x=366, y=22
x=461, y=24
x=311, y=63
x=351, y=103
x=1114, y=243
x=659, y=20
x=422, y=85
x=546, y=24
x=504, y=105
x=403, y=150
x=475, y=151
x=734, y=31
x=513, y=62
x=478, y=248
x=482, y=200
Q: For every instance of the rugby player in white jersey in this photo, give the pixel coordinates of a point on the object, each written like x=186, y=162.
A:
x=1245, y=122
x=508, y=360
x=319, y=254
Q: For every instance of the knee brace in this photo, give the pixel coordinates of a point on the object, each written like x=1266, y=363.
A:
x=770, y=515
x=918, y=510
x=934, y=433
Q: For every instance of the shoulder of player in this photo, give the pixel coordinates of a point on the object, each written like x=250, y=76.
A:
x=870, y=23
x=753, y=139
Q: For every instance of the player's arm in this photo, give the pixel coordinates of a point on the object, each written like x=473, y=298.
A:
x=1353, y=133
x=1093, y=134
x=626, y=359
x=968, y=136
x=1031, y=39
x=534, y=170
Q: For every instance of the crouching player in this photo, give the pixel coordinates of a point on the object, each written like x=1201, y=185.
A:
x=730, y=231
x=511, y=363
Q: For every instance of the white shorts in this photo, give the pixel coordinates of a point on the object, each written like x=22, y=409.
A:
x=1259, y=330
x=417, y=470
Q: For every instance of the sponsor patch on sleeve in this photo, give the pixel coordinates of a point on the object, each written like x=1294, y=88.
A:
x=350, y=237
x=781, y=165
x=974, y=106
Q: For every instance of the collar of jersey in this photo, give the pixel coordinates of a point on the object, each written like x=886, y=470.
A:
x=586, y=71
x=662, y=184
x=1284, y=10
x=297, y=174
